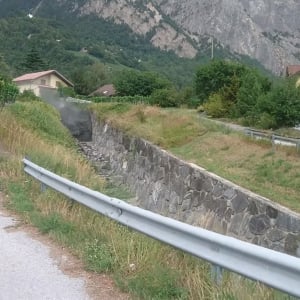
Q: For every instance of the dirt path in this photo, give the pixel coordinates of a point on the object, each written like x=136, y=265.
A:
x=33, y=267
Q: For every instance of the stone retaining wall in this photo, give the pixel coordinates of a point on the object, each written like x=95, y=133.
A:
x=184, y=191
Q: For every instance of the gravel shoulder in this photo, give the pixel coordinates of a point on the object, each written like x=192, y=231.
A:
x=34, y=267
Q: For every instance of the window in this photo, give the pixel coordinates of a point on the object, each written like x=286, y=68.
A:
x=57, y=84
x=43, y=81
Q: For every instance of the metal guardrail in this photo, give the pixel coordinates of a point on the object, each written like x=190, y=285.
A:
x=274, y=138
x=275, y=269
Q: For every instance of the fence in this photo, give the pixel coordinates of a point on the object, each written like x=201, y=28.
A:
x=275, y=139
x=275, y=269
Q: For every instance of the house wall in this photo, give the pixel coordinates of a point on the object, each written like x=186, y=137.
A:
x=53, y=79
x=298, y=82
x=39, y=81
x=28, y=86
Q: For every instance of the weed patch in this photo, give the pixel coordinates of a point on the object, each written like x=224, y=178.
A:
x=20, y=199
x=156, y=283
x=98, y=256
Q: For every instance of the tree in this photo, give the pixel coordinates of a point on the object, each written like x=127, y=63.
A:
x=132, y=83
x=212, y=77
x=8, y=92
x=88, y=79
x=34, y=62
x=165, y=98
x=253, y=86
x=4, y=68
x=282, y=103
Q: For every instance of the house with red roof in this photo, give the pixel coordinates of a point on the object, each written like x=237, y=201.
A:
x=50, y=79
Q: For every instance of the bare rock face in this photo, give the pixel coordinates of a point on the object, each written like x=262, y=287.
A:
x=143, y=18
x=267, y=30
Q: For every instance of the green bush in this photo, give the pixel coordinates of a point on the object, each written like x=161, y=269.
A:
x=132, y=83
x=164, y=98
x=28, y=96
x=282, y=103
x=214, y=107
x=266, y=121
x=8, y=92
x=214, y=76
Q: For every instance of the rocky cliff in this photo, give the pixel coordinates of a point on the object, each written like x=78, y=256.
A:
x=267, y=30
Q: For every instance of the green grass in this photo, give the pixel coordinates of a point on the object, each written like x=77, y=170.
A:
x=44, y=119
x=145, y=268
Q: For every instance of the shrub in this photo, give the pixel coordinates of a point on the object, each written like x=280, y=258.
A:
x=214, y=107
x=212, y=77
x=266, y=121
x=282, y=103
x=8, y=92
x=132, y=83
x=164, y=98
x=28, y=96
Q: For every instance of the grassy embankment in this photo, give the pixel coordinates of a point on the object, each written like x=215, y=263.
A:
x=145, y=268
x=255, y=165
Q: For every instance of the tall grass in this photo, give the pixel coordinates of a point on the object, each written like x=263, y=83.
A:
x=144, y=267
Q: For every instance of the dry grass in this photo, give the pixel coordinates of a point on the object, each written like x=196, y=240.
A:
x=140, y=265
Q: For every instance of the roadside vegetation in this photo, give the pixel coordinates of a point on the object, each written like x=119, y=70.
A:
x=141, y=266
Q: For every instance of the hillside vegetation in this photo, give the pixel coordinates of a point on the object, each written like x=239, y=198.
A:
x=143, y=267
x=68, y=43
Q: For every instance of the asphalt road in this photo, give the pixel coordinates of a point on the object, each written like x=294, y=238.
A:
x=28, y=272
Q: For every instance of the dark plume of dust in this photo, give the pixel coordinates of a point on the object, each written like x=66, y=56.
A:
x=76, y=118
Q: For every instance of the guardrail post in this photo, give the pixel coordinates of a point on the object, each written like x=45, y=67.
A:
x=43, y=187
x=273, y=143
x=216, y=273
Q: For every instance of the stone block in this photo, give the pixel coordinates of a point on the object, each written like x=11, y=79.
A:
x=259, y=224
x=271, y=212
x=240, y=202
x=287, y=222
x=218, y=190
x=235, y=223
x=229, y=193
x=275, y=235
x=252, y=208
x=292, y=244
x=228, y=214
x=207, y=185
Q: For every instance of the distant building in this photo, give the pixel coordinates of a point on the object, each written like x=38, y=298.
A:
x=294, y=70
x=41, y=80
x=107, y=90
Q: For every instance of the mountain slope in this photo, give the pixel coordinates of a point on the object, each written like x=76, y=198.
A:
x=266, y=30
x=70, y=34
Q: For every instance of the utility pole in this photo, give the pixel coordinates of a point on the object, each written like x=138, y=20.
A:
x=212, y=48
